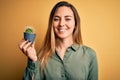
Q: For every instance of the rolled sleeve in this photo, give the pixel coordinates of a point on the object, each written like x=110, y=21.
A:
x=32, y=65
x=32, y=71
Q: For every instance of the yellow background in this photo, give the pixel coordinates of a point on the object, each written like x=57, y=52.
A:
x=100, y=23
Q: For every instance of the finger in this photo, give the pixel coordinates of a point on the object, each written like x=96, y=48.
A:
x=27, y=51
x=33, y=45
x=27, y=45
x=22, y=43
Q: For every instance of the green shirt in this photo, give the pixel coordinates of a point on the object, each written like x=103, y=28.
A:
x=79, y=63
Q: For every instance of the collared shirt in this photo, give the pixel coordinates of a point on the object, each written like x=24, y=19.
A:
x=79, y=63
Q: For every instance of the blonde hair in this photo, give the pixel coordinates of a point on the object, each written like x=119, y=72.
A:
x=48, y=47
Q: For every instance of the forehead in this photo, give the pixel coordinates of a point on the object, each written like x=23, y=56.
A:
x=62, y=11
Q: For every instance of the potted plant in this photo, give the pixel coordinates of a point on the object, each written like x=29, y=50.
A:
x=29, y=34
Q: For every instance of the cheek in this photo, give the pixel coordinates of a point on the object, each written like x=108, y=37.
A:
x=71, y=25
x=55, y=24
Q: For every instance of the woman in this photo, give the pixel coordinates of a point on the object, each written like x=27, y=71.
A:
x=62, y=55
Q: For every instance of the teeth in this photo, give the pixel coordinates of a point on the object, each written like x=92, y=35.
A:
x=61, y=30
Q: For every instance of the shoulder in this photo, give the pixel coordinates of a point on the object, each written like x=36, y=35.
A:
x=88, y=51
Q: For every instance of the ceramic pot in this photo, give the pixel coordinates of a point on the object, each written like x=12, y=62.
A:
x=29, y=37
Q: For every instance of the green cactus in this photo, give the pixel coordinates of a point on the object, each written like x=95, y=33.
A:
x=29, y=30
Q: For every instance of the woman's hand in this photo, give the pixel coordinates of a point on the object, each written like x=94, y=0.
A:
x=28, y=49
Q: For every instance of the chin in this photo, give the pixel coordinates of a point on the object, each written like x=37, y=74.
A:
x=62, y=36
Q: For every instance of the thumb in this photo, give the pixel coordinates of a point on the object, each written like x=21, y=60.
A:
x=33, y=45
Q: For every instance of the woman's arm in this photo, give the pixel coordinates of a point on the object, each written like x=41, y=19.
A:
x=32, y=71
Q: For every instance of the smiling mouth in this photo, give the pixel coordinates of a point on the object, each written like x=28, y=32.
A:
x=61, y=29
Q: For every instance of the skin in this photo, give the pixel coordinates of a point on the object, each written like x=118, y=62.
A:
x=28, y=49
x=63, y=25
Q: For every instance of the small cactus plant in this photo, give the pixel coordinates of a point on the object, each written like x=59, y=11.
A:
x=30, y=30
x=29, y=34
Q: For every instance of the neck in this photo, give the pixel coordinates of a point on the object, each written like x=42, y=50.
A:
x=64, y=43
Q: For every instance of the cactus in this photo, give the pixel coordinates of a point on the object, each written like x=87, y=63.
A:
x=29, y=34
x=30, y=30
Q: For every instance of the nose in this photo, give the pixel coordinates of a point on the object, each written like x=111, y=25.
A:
x=62, y=22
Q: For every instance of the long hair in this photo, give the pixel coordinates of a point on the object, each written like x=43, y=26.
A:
x=48, y=47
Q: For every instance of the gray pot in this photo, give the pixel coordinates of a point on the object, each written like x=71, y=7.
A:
x=29, y=37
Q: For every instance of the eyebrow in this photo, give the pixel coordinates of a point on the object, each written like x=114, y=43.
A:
x=68, y=16
x=65, y=16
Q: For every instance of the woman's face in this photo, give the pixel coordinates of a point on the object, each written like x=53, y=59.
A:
x=63, y=22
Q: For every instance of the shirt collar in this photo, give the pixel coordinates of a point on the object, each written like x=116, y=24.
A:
x=75, y=46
